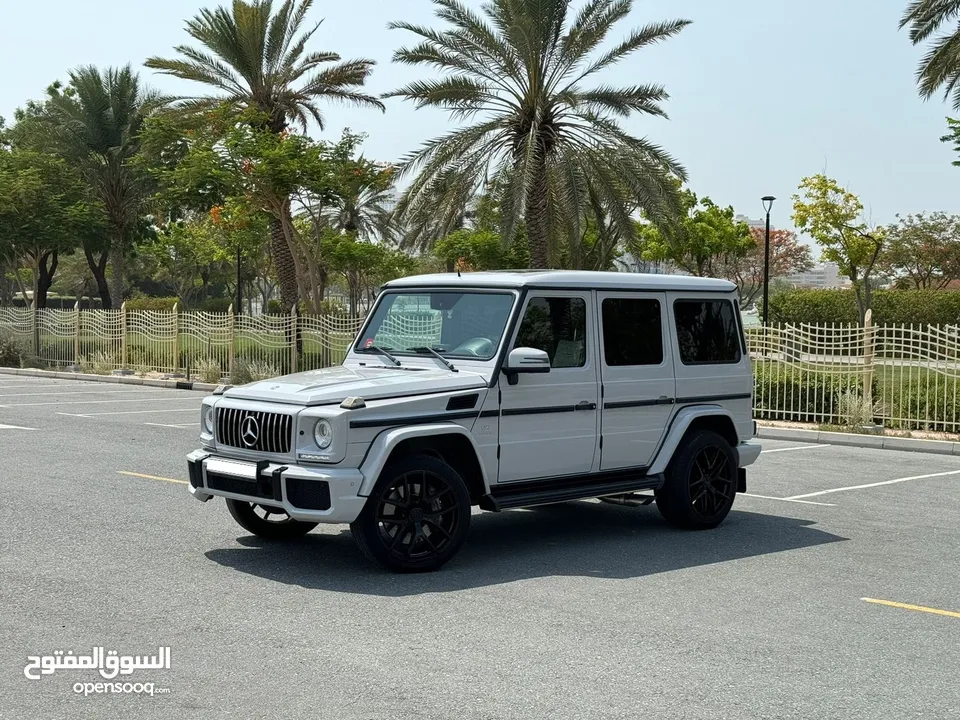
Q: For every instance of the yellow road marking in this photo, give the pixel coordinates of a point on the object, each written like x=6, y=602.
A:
x=151, y=477
x=918, y=608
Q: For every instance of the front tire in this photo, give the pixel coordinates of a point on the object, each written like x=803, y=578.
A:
x=266, y=521
x=700, y=483
x=417, y=516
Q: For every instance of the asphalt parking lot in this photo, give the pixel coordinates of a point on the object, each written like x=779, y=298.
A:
x=582, y=610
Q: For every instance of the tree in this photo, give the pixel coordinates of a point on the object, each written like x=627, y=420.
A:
x=940, y=66
x=44, y=209
x=257, y=60
x=923, y=250
x=94, y=123
x=544, y=136
x=832, y=216
x=705, y=237
x=787, y=256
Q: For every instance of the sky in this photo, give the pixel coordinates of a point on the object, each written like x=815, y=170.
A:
x=762, y=92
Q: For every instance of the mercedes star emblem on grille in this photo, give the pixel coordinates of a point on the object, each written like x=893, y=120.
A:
x=250, y=431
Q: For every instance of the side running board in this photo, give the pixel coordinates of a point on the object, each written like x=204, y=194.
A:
x=555, y=490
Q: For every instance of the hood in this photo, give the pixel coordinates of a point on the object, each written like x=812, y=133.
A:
x=332, y=385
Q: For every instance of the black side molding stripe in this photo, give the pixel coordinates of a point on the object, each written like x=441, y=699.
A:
x=412, y=420
x=547, y=410
x=714, y=398
x=619, y=404
x=489, y=413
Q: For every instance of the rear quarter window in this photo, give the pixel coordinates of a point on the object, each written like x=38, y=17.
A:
x=707, y=332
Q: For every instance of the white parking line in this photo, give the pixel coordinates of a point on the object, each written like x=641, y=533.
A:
x=871, y=485
x=129, y=412
x=57, y=391
x=14, y=427
x=793, y=500
x=790, y=449
x=96, y=402
x=187, y=425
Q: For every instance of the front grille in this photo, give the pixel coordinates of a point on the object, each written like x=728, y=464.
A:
x=273, y=430
x=226, y=483
x=308, y=494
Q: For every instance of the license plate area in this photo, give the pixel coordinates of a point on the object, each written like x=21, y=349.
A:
x=233, y=468
x=243, y=478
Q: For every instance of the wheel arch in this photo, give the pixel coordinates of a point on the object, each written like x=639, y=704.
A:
x=451, y=443
x=689, y=419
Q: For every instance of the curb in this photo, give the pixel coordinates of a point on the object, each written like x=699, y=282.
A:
x=116, y=379
x=874, y=442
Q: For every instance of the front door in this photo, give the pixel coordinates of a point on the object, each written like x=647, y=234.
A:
x=636, y=370
x=549, y=422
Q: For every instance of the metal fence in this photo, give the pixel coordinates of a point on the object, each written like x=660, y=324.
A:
x=902, y=376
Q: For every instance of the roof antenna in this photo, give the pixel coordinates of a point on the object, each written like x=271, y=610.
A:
x=458, y=271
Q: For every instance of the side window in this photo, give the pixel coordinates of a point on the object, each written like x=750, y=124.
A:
x=558, y=326
x=632, y=332
x=707, y=332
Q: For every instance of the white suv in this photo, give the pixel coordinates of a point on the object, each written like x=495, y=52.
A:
x=498, y=390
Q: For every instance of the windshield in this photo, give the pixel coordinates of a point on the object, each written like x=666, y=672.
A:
x=454, y=324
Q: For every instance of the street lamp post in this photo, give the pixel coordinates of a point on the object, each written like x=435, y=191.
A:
x=767, y=204
x=239, y=308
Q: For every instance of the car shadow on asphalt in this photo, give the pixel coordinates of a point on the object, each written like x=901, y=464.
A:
x=573, y=539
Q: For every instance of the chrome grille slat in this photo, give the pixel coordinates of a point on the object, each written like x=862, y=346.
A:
x=275, y=430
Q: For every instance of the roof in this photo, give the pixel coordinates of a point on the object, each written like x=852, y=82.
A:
x=581, y=279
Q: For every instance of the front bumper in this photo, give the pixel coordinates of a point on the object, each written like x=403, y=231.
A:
x=311, y=494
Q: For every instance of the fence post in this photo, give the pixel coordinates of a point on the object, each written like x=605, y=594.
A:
x=868, y=357
x=36, y=329
x=76, y=334
x=294, y=336
x=176, y=337
x=123, y=334
x=231, y=348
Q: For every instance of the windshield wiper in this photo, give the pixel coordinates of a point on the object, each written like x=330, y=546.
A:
x=378, y=349
x=424, y=350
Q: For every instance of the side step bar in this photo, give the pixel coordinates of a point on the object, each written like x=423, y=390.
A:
x=561, y=489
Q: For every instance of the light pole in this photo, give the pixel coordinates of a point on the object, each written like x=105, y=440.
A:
x=239, y=309
x=767, y=204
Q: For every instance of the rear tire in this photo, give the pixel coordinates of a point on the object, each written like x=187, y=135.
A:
x=273, y=524
x=700, y=483
x=417, y=516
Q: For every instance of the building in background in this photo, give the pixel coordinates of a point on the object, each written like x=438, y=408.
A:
x=762, y=223
x=822, y=276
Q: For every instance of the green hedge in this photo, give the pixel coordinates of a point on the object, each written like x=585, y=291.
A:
x=215, y=305
x=818, y=307
x=788, y=393
x=156, y=304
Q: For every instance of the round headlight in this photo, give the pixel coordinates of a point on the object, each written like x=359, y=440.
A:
x=323, y=434
x=206, y=417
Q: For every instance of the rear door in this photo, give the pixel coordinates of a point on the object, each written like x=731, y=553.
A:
x=637, y=376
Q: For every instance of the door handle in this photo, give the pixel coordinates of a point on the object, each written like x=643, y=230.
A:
x=585, y=405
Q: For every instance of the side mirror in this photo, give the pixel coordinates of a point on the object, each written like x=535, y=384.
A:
x=525, y=360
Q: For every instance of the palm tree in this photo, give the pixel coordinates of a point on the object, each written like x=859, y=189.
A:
x=96, y=123
x=940, y=67
x=519, y=67
x=257, y=59
x=366, y=211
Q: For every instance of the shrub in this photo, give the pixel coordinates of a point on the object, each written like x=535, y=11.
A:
x=12, y=349
x=156, y=304
x=818, y=307
x=248, y=371
x=208, y=370
x=934, y=402
x=215, y=305
x=791, y=393
x=100, y=363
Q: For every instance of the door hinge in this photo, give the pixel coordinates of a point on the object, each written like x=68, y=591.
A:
x=601, y=442
x=498, y=452
x=601, y=392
